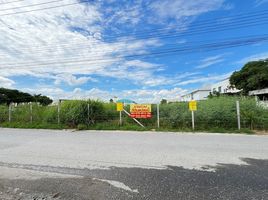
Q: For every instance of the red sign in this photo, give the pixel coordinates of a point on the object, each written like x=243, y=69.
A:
x=141, y=111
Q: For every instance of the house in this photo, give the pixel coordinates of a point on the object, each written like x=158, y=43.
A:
x=198, y=95
x=224, y=87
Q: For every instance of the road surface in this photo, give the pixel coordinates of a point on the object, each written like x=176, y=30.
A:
x=45, y=164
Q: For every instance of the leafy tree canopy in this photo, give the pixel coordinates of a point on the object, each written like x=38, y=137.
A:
x=253, y=76
x=8, y=96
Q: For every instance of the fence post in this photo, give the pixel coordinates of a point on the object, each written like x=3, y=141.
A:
x=9, y=111
x=31, y=112
x=193, y=125
x=59, y=111
x=87, y=113
x=158, y=116
x=120, y=118
x=238, y=114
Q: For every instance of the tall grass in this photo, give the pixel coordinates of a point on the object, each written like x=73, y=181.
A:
x=213, y=114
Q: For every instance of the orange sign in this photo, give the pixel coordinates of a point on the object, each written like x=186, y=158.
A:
x=140, y=110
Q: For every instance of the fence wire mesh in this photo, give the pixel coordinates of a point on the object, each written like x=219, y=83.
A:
x=217, y=114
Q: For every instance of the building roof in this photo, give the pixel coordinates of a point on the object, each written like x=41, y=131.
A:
x=195, y=91
x=126, y=101
x=258, y=92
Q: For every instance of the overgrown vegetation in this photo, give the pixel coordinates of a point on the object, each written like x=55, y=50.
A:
x=216, y=114
x=8, y=96
x=253, y=76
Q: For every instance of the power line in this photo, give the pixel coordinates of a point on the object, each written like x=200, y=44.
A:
x=4, y=3
x=47, y=8
x=119, y=47
x=32, y=5
x=208, y=29
x=189, y=49
x=213, y=20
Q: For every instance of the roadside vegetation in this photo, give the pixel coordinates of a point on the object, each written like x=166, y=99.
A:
x=217, y=114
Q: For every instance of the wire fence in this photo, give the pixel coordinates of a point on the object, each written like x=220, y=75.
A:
x=216, y=114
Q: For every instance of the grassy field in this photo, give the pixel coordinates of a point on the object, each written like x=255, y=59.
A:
x=215, y=115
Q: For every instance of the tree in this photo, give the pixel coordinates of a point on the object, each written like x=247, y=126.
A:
x=111, y=100
x=43, y=100
x=253, y=76
x=163, y=101
x=8, y=96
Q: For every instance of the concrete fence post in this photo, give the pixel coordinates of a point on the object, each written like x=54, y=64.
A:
x=31, y=112
x=193, y=122
x=9, y=112
x=238, y=115
x=158, y=116
x=59, y=111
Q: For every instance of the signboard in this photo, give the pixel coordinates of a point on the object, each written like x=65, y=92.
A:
x=119, y=106
x=192, y=105
x=141, y=111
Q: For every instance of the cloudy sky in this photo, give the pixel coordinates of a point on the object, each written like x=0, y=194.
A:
x=143, y=50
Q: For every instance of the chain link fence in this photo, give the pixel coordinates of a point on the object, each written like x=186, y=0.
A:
x=213, y=114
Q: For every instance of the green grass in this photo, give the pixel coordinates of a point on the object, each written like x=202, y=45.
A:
x=213, y=115
x=33, y=125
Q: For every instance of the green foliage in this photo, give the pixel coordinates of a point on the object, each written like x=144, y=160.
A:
x=253, y=76
x=8, y=96
x=43, y=100
x=216, y=115
x=163, y=101
x=81, y=112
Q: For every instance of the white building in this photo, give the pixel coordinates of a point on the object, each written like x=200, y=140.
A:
x=223, y=87
x=198, y=95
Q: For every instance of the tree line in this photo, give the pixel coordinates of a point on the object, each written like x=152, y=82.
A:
x=8, y=96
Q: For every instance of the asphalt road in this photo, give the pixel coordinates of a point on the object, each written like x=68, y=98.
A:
x=45, y=164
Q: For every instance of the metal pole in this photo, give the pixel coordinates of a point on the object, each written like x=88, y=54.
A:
x=238, y=115
x=158, y=116
x=134, y=119
x=193, y=120
x=31, y=112
x=9, y=112
x=120, y=118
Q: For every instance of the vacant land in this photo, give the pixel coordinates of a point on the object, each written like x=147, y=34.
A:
x=45, y=164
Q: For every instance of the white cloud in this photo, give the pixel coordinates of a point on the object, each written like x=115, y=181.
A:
x=140, y=96
x=255, y=57
x=6, y=83
x=179, y=9
x=72, y=80
x=210, y=61
x=205, y=79
x=50, y=43
x=260, y=2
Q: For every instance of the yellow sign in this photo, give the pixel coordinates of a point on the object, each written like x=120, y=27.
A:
x=192, y=105
x=140, y=108
x=119, y=106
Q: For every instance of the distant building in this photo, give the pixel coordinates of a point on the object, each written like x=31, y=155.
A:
x=198, y=95
x=224, y=87
x=261, y=94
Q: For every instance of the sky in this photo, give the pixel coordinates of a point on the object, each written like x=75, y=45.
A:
x=144, y=50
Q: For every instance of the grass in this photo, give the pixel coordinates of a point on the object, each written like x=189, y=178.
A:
x=33, y=125
x=213, y=115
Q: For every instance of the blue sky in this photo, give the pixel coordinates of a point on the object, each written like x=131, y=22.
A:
x=143, y=50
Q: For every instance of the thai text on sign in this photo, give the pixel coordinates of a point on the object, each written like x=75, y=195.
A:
x=141, y=110
x=119, y=106
x=192, y=105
